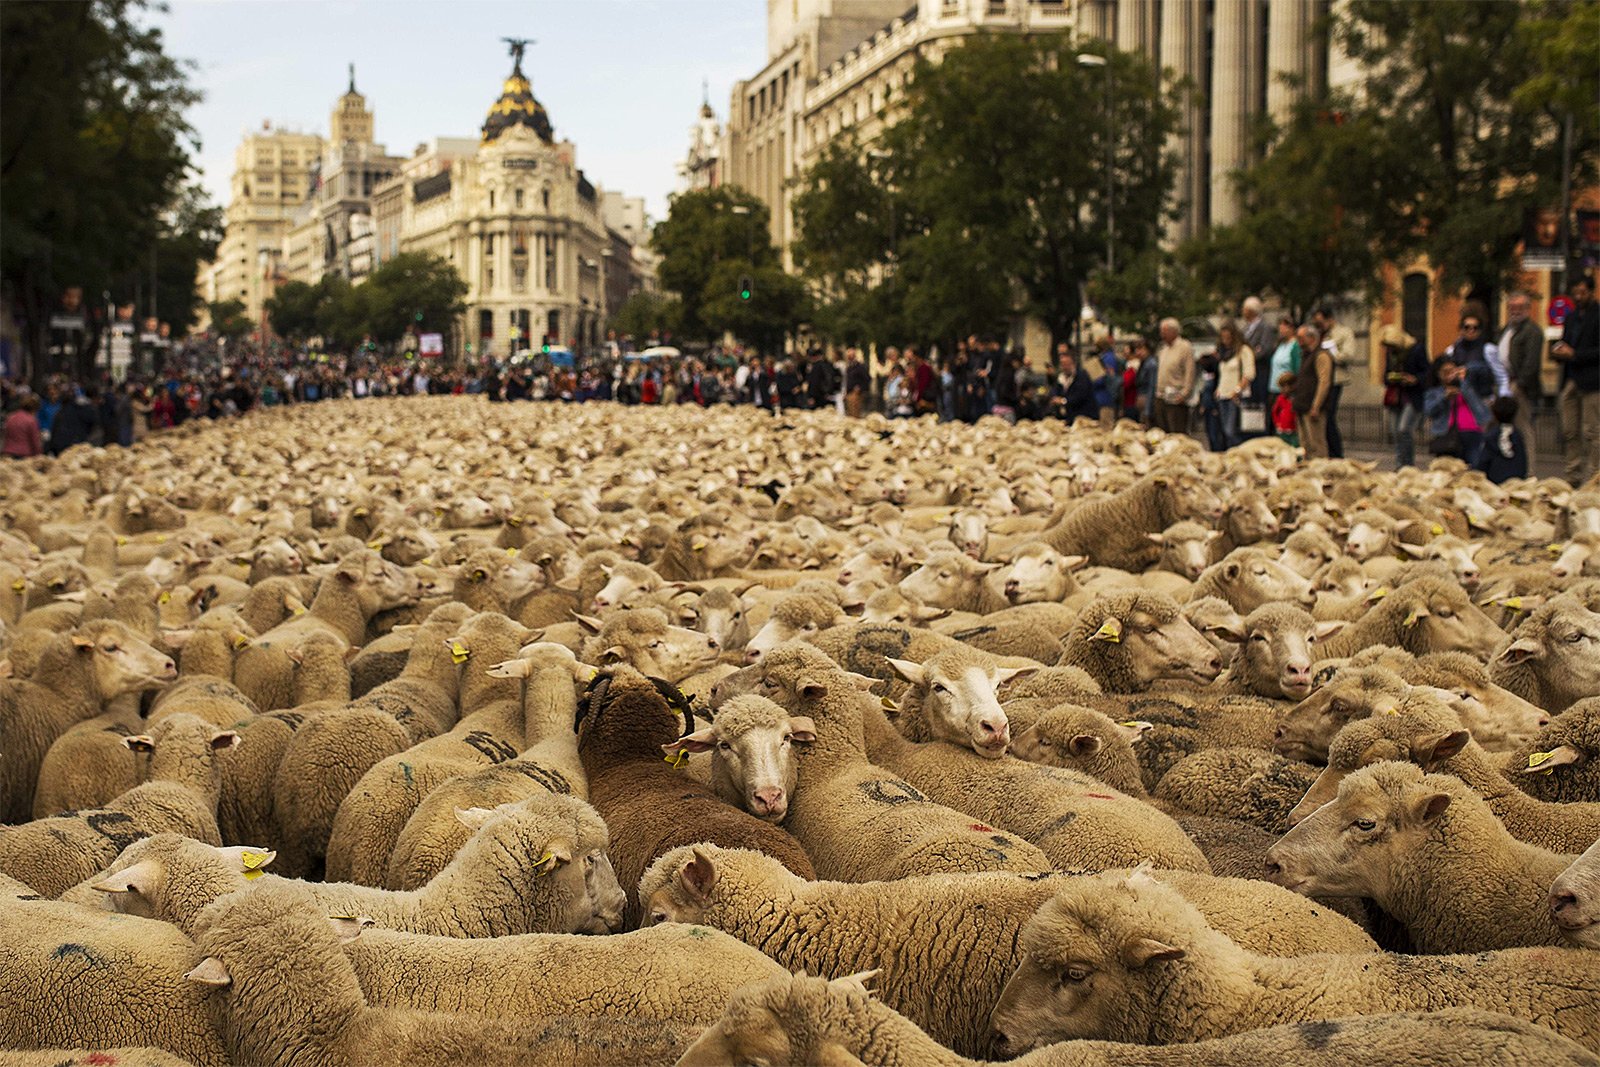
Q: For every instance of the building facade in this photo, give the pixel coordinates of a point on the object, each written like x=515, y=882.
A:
x=271, y=186
x=702, y=164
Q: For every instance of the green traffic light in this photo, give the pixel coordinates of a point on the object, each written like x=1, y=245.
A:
x=744, y=294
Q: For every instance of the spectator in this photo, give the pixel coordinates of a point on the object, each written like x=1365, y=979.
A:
x=1072, y=394
x=1481, y=359
x=1340, y=341
x=1105, y=371
x=75, y=421
x=923, y=393
x=1255, y=332
x=1284, y=420
x=1145, y=383
x=1522, y=352
x=857, y=383
x=1578, y=352
x=1312, y=387
x=1175, y=379
x=1236, y=375
x=789, y=386
x=23, y=438
x=1286, y=357
x=1504, y=454
x=1456, y=413
x=1210, y=412
x=1406, y=373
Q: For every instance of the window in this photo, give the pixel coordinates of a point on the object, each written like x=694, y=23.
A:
x=1414, y=294
x=547, y=198
x=519, y=197
x=491, y=199
x=488, y=276
x=488, y=244
x=519, y=241
x=519, y=279
x=549, y=266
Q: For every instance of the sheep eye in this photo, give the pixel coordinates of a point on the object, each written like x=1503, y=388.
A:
x=738, y=614
x=940, y=687
x=1337, y=707
x=1259, y=637
x=723, y=746
x=768, y=683
x=1464, y=695
x=110, y=648
x=1074, y=974
x=658, y=916
x=1575, y=638
x=655, y=644
x=1365, y=824
x=1445, y=613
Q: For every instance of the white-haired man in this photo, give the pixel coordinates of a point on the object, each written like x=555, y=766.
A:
x=1175, y=377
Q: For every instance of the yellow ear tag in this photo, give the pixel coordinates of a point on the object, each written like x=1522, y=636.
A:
x=252, y=875
x=678, y=758
x=1132, y=724
x=1391, y=710
x=513, y=552
x=161, y=539
x=241, y=641
x=1411, y=620
x=299, y=609
x=1110, y=630
x=698, y=546
x=374, y=545
x=1554, y=550
x=438, y=511
x=514, y=521
x=1512, y=602
x=1436, y=529
x=427, y=561
x=888, y=705
x=20, y=584
x=164, y=598
x=1378, y=593
x=122, y=540
x=544, y=864
x=1535, y=759
x=458, y=652
x=254, y=861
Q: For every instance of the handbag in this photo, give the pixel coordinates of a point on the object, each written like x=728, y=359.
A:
x=1391, y=396
x=1449, y=442
x=1252, y=418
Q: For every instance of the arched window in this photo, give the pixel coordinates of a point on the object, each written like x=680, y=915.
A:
x=518, y=197
x=1414, y=304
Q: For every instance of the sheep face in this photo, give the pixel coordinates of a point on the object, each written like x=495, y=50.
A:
x=958, y=699
x=946, y=580
x=798, y=618
x=681, y=886
x=1497, y=719
x=719, y=614
x=277, y=556
x=1193, y=497
x=1579, y=559
x=1566, y=653
x=1367, y=539
x=1070, y=736
x=1453, y=552
x=1308, y=550
x=878, y=565
x=410, y=544
x=1352, y=845
x=1310, y=726
x=122, y=662
x=379, y=584
x=661, y=650
x=1575, y=899
x=1253, y=579
x=750, y=1032
x=625, y=583
x=1449, y=621
x=1169, y=650
x=1041, y=575
x=892, y=607
x=969, y=532
x=752, y=754
x=1276, y=646
x=603, y=893
x=1186, y=553
x=1250, y=520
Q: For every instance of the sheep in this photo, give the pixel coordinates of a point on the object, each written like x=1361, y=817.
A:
x=332, y=751
x=1426, y=614
x=1038, y=573
x=80, y=1057
x=956, y=582
x=549, y=763
x=796, y=617
x=643, y=638
x=1575, y=899
x=70, y=977
x=1128, y=640
x=1373, y=533
x=1240, y=783
x=720, y=614
x=1111, y=533
x=1247, y=519
x=751, y=764
x=1308, y=550
x=905, y=927
x=285, y=993
x=1274, y=659
x=1307, y=729
x=1186, y=550
x=626, y=722
x=1552, y=659
x=672, y=974
x=1126, y=958
x=169, y=877
x=1498, y=719
x=952, y=698
x=179, y=795
x=371, y=817
x=1562, y=762
x=1426, y=731
x=818, y=1021
x=1248, y=578
x=1217, y=621
x=1411, y=840
x=1578, y=557
x=77, y=676
x=701, y=548
x=856, y=820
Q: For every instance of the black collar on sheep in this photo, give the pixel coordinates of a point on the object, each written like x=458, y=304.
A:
x=594, y=699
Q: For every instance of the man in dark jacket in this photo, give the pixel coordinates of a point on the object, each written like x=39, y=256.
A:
x=75, y=421
x=1578, y=352
x=819, y=381
x=1072, y=393
x=1522, y=350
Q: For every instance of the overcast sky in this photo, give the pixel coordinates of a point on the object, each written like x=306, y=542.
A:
x=620, y=78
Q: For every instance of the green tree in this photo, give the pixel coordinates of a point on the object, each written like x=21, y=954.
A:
x=1155, y=284
x=1475, y=93
x=647, y=314
x=229, y=320
x=294, y=310
x=93, y=149
x=776, y=304
x=191, y=229
x=708, y=241
x=413, y=291
x=1306, y=215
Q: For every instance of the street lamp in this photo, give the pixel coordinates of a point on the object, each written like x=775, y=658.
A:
x=1091, y=60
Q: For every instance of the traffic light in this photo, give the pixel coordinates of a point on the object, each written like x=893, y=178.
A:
x=745, y=287
x=418, y=316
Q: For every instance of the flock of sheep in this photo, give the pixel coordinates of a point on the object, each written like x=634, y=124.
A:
x=427, y=732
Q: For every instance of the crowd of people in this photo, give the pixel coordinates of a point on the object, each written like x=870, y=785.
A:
x=1474, y=398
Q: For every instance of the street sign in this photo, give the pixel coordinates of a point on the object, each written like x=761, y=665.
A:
x=431, y=344
x=1560, y=308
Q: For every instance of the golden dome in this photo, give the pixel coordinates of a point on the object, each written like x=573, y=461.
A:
x=517, y=107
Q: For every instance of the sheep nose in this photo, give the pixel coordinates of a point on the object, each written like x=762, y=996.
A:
x=752, y=655
x=1215, y=663
x=1012, y=586
x=1559, y=572
x=844, y=577
x=1272, y=868
x=767, y=799
x=601, y=602
x=1544, y=720
x=712, y=641
x=1298, y=670
x=1563, y=901
x=991, y=728
x=1277, y=735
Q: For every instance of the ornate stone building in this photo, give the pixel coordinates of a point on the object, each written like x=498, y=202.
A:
x=271, y=185
x=702, y=166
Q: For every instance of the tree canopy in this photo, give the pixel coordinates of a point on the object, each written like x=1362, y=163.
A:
x=414, y=291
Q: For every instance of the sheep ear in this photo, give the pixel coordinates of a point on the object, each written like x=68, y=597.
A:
x=856, y=983
x=588, y=622
x=1432, y=751
x=699, y=876
x=511, y=668
x=802, y=728
x=348, y=927
x=296, y=655
x=1329, y=628
x=1520, y=650
x=861, y=681
x=1084, y=745
x=1414, y=551
x=1156, y=539
x=1073, y=563
x=210, y=972
x=700, y=741
x=1429, y=808
x=1230, y=571
x=1232, y=632
x=82, y=642
x=1135, y=729
x=1143, y=951
x=812, y=688
x=1011, y=674
x=140, y=743
x=225, y=740
x=474, y=818
x=614, y=654
x=176, y=638
x=908, y=670
x=135, y=879
x=1541, y=762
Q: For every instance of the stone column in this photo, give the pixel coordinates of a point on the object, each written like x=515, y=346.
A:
x=1232, y=103
x=1288, y=52
x=1180, y=38
x=1134, y=22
